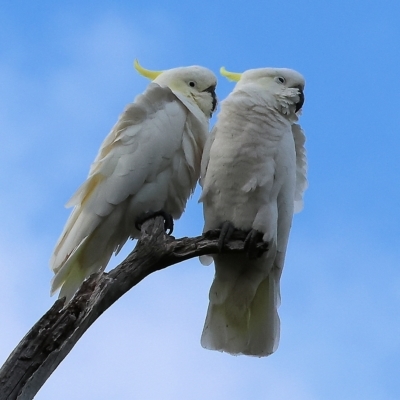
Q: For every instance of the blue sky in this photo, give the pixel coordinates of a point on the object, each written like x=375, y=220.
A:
x=66, y=74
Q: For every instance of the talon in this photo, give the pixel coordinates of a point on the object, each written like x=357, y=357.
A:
x=227, y=229
x=168, y=220
x=250, y=243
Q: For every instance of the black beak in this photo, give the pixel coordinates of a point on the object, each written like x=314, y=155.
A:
x=300, y=103
x=211, y=90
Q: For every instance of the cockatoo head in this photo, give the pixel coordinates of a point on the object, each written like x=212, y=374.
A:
x=196, y=83
x=281, y=81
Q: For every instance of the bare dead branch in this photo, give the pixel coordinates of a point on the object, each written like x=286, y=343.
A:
x=56, y=333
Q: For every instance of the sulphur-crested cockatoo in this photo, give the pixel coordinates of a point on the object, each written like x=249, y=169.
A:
x=149, y=162
x=253, y=178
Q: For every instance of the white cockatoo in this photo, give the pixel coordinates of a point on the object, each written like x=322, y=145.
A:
x=149, y=163
x=253, y=177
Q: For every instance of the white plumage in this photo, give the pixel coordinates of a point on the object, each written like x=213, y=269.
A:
x=253, y=176
x=150, y=161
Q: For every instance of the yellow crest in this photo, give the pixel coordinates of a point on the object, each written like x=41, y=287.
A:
x=146, y=72
x=232, y=76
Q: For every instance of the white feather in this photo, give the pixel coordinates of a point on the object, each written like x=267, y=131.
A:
x=253, y=170
x=149, y=161
x=301, y=166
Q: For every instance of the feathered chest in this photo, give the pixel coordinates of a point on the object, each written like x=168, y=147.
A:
x=249, y=136
x=252, y=144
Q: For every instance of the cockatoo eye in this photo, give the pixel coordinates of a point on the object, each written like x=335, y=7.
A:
x=192, y=84
x=280, y=79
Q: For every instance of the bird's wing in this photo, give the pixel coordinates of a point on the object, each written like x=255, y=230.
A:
x=301, y=166
x=206, y=154
x=139, y=147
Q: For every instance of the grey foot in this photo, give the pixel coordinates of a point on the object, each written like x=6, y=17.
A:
x=250, y=243
x=227, y=229
x=168, y=220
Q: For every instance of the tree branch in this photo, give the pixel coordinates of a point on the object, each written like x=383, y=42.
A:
x=56, y=333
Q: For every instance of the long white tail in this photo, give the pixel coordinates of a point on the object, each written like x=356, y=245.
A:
x=242, y=316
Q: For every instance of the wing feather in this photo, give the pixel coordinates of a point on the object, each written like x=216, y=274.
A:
x=206, y=154
x=301, y=166
x=137, y=150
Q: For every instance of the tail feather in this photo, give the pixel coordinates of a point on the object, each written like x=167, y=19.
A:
x=90, y=254
x=70, y=268
x=77, y=268
x=72, y=281
x=264, y=326
x=243, y=319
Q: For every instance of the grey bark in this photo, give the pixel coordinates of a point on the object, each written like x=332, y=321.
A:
x=56, y=333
